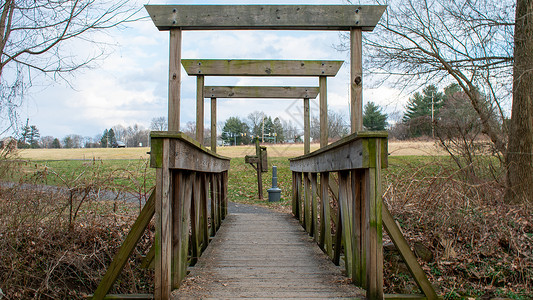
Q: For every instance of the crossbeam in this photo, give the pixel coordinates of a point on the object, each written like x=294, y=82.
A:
x=275, y=92
x=242, y=67
x=265, y=17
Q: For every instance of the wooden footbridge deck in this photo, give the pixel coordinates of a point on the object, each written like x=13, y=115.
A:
x=258, y=253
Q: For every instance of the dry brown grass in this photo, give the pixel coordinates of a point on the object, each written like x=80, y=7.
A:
x=396, y=148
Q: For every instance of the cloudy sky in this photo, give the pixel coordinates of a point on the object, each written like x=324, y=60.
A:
x=130, y=85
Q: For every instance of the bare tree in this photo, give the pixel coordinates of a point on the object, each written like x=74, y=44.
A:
x=472, y=44
x=36, y=37
x=159, y=124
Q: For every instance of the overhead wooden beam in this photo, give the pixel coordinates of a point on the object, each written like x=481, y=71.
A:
x=278, y=92
x=241, y=67
x=265, y=17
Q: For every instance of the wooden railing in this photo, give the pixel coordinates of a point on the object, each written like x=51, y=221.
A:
x=337, y=198
x=189, y=203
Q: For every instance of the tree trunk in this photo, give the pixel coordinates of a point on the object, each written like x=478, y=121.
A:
x=520, y=149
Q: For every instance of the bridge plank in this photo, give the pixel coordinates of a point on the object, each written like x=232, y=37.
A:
x=266, y=255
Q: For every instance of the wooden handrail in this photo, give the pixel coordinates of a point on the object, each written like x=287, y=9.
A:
x=357, y=160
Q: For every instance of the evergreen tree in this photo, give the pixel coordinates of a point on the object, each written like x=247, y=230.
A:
x=373, y=117
x=235, y=131
x=278, y=130
x=418, y=114
x=33, y=137
x=104, y=140
x=56, y=144
x=111, y=139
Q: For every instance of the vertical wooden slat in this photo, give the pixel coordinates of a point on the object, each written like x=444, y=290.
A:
x=214, y=124
x=163, y=211
x=346, y=219
x=356, y=80
x=294, y=195
x=177, y=202
x=224, y=194
x=219, y=200
x=200, y=109
x=325, y=226
x=359, y=277
x=323, y=111
x=195, y=219
x=213, y=185
x=185, y=221
x=374, y=239
x=314, y=203
x=338, y=236
x=307, y=205
x=307, y=127
x=204, y=218
x=174, y=81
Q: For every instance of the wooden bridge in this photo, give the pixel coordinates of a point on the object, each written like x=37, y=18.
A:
x=331, y=245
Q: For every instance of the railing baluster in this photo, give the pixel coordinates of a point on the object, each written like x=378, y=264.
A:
x=314, y=206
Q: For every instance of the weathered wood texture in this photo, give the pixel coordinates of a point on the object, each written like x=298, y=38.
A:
x=275, y=92
x=264, y=255
x=240, y=67
x=200, y=109
x=358, y=160
x=214, y=124
x=356, y=80
x=351, y=152
x=323, y=86
x=307, y=127
x=185, y=153
x=262, y=17
x=174, y=80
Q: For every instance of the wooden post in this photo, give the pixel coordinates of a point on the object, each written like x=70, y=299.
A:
x=214, y=124
x=374, y=238
x=356, y=80
x=259, y=155
x=163, y=212
x=323, y=111
x=200, y=109
x=174, y=81
x=307, y=127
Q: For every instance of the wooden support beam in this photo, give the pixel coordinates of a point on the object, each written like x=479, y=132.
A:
x=412, y=264
x=200, y=109
x=374, y=237
x=307, y=127
x=275, y=92
x=163, y=228
x=240, y=67
x=356, y=80
x=174, y=80
x=323, y=111
x=214, y=124
x=127, y=247
x=203, y=211
x=308, y=221
x=265, y=17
